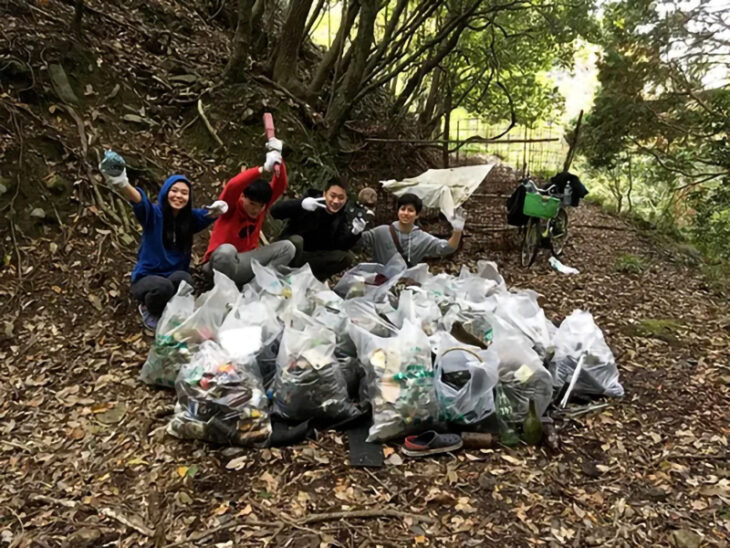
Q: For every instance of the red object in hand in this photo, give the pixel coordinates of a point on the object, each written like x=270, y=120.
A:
x=269, y=127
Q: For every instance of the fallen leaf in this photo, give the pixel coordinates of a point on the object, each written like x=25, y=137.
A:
x=113, y=415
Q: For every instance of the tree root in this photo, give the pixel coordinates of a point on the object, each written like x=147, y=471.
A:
x=207, y=123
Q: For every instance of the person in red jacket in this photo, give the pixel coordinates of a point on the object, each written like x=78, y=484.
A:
x=235, y=237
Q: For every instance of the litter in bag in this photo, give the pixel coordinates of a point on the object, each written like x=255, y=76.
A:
x=185, y=324
x=220, y=400
x=522, y=376
x=464, y=378
x=399, y=378
x=579, y=337
x=309, y=382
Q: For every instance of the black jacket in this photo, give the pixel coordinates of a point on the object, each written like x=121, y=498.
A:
x=320, y=230
x=515, y=202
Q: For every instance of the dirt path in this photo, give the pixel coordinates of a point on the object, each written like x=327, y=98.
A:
x=85, y=460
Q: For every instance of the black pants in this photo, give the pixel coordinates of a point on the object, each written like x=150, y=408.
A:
x=155, y=291
x=324, y=263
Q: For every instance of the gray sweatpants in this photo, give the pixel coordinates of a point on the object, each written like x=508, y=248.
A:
x=237, y=266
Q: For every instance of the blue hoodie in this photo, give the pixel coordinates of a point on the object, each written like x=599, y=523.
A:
x=153, y=257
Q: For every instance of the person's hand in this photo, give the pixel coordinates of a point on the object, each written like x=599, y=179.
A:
x=117, y=182
x=273, y=157
x=274, y=144
x=358, y=225
x=312, y=204
x=217, y=208
x=458, y=220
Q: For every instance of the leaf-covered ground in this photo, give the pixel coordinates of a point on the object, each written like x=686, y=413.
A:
x=85, y=459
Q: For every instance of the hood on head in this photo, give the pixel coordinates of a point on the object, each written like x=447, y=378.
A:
x=171, y=180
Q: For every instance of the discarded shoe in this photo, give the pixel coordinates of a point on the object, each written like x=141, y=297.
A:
x=148, y=319
x=431, y=443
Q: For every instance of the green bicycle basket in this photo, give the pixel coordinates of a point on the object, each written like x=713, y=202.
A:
x=537, y=205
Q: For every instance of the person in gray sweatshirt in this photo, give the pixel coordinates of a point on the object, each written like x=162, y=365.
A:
x=404, y=237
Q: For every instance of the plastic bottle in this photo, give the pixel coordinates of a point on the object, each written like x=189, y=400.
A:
x=112, y=164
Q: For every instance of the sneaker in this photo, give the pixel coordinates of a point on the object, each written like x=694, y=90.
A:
x=431, y=443
x=149, y=320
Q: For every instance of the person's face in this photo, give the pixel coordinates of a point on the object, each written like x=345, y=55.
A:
x=252, y=209
x=335, y=197
x=407, y=214
x=178, y=196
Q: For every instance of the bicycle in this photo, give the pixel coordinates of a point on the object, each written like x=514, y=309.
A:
x=548, y=224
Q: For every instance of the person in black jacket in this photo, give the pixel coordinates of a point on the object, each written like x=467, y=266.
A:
x=320, y=230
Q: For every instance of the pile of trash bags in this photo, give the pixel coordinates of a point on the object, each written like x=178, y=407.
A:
x=414, y=348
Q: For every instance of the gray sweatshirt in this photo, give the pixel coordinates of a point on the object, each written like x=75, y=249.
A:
x=416, y=244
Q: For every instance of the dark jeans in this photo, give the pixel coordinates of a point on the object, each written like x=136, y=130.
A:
x=155, y=291
x=324, y=263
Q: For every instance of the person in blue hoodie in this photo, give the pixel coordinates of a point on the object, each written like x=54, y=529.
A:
x=163, y=260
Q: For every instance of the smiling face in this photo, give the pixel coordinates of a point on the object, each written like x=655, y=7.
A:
x=335, y=197
x=178, y=196
x=407, y=214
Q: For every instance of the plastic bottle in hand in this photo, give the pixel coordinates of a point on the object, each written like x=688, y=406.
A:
x=113, y=164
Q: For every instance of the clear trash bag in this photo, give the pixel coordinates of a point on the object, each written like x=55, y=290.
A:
x=185, y=323
x=579, y=337
x=414, y=305
x=221, y=399
x=464, y=377
x=522, y=375
x=521, y=311
x=309, y=382
x=399, y=378
x=364, y=314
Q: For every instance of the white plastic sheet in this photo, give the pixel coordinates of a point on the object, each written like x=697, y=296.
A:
x=445, y=189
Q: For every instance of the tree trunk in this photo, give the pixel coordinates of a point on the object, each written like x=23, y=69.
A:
x=330, y=58
x=78, y=14
x=313, y=18
x=345, y=93
x=445, y=47
x=447, y=127
x=631, y=184
x=241, y=43
x=425, y=117
x=284, y=66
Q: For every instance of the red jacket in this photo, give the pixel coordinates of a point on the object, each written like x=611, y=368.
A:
x=236, y=227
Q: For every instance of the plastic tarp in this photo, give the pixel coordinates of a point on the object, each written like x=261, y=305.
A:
x=444, y=189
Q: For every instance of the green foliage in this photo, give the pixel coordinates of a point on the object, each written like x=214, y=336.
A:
x=718, y=276
x=711, y=229
x=662, y=105
x=499, y=64
x=631, y=264
x=662, y=329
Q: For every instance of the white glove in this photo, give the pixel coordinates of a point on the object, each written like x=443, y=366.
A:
x=273, y=157
x=117, y=182
x=358, y=225
x=217, y=208
x=311, y=204
x=274, y=144
x=459, y=219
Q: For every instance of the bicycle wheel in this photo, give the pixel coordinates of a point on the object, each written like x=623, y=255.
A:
x=559, y=233
x=530, y=243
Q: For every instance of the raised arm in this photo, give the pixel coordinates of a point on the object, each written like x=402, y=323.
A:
x=234, y=187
